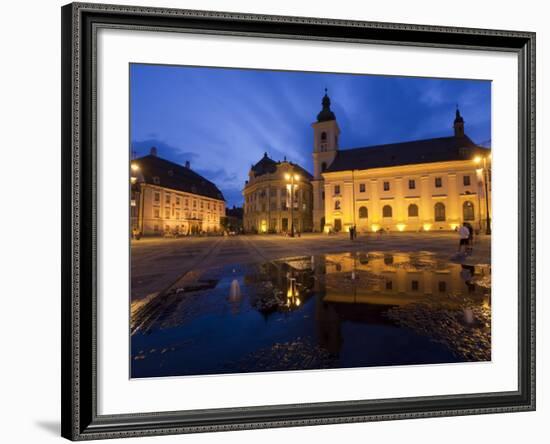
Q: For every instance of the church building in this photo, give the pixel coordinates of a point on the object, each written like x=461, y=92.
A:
x=420, y=185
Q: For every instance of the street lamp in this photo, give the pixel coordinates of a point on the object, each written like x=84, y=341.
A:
x=137, y=200
x=291, y=178
x=482, y=160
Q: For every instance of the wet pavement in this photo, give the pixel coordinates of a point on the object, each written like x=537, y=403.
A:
x=352, y=309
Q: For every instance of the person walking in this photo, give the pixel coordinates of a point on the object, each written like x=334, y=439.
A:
x=464, y=235
x=470, y=246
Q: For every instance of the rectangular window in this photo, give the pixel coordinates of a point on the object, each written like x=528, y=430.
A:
x=167, y=198
x=438, y=182
x=466, y=181
x=157, y=197
x=178, y=200
x=412, y=184
x=186, y=203
x=194, y=204
x=156, y=213
x=442, y=286
x=386, y=186
x=362, y=187
x=389, y=285
x=336, y=189
x=414, y=285
x=177, y=214
x=167, y=212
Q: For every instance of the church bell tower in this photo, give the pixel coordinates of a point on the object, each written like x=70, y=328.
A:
x=325, y=146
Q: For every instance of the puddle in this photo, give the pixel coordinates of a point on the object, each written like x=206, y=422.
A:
x=328, y=311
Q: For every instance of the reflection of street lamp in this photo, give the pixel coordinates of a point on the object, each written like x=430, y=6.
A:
x=291, y=178
x=292, y=295
x=478, y=160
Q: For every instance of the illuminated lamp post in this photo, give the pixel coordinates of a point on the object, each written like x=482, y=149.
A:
x=482, y=160
x=291, y=178
x=137, y=194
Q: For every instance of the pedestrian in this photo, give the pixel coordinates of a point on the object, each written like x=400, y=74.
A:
x=351, y=233
x=464, y=235
x=470, y=246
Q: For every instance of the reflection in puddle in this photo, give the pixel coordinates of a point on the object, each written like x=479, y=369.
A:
x=327, y=311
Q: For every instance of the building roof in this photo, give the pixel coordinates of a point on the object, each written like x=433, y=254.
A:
x=406, y=153
x=266, y=165
x=177, y=177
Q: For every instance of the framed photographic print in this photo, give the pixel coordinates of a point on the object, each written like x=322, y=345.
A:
x=280, y=221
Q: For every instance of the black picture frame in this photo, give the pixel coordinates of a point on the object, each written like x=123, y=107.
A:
x=79, y=385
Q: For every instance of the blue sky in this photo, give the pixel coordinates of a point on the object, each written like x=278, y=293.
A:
x=223, y=120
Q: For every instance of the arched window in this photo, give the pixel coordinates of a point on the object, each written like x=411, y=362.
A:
x=336, y=204
x=363, y=213
x=468, y=210
x=323, y=166
x=324, y=136
x=387, y=211
x=439, y=212
x=413, y=210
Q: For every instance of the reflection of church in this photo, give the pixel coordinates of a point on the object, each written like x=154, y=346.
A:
x=361, y=288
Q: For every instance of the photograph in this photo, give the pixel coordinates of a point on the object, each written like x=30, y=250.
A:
x=298, y=221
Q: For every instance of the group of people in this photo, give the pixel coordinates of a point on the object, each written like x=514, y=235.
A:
x=353, y=232
x=466, y=235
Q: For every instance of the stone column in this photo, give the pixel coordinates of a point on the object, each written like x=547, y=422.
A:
x=399, y=201
x=375, y=215
x=426, y=210
x=453, y=200
x=348, y=204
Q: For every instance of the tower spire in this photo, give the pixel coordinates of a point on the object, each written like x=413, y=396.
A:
x=458, y=123
x=326, y=113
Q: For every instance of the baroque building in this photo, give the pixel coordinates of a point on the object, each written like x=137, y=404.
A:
x=277, y=198
x=168, y=198
x=429, y=184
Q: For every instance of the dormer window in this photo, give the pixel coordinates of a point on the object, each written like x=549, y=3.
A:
x=170, y=172
x=156, y=180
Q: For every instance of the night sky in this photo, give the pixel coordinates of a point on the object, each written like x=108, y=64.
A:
x=223, y=120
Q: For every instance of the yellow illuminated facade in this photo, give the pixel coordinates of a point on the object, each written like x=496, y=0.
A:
x=423, y=197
